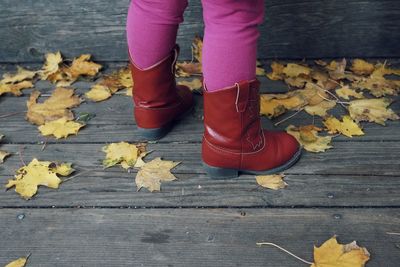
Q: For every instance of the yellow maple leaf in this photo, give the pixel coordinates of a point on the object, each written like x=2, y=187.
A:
x=187, y=69
x=274, y=181
x=337, y=69
x=260, y=71
x=21, y=262
x=377, y=86
x=60, y=128
x=347, y=126
x=98, y=92
x=345, y=92
x=125, y=78
x=382, y=70
x=308, y=137
x=15, y=88
x=298, y=81
x=333, y=254
x=110, y=84
x=21, y=75
x=273, y=105
x=53, y=108
x=320, y=109
x=28, y=178
x=277, y=71
x=372, y=110
x=313, y=94
x=51, y=65
x=362, y=67
x=294, y=70
x=194, y=85
x=152, y=173
x=128, y=155
x=82, y=66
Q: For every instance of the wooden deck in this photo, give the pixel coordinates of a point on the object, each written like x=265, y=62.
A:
x=98, y=218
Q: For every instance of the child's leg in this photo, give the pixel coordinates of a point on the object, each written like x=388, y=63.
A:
x=152, y=27
x=230, y=41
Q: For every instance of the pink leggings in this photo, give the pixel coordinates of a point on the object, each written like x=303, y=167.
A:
x=230, y=36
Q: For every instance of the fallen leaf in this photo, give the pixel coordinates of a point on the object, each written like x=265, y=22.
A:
x=333, y=254
x=60, y=128
x=347, y=126
x=320, y=109
x=187, y=69
x=298, y=81
x=377, y=86
x=82, y=66
x=274, y=181
x=110, y=84
x=128, y=155
x=29, y=178
x=21, y=75
x=372, y=110
x=277, y=71
x=362, y=67
x=21, y=262
x=260, y=71
x=345, y=92
x=294, y=70
x=194, y=85
x=308, y=137
x=152, y=173
x=273, y=105
x=337, y=69
x=98, y=92
x=53, y=108
x=15, y=88
x=51, y=65
x=313, y=93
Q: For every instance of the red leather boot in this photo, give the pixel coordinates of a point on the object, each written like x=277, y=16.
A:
x=233, y=139
x=159, y=102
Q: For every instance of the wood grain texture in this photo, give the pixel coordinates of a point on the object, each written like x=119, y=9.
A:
x=292, y=29
x=345, y=176
x=218, y=237
x=352, y=158
x=116, y=188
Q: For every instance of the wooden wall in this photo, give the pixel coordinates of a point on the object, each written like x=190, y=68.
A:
x=292, y=29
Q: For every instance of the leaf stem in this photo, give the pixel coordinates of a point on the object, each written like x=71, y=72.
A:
x=281, y=248
x=289, y=117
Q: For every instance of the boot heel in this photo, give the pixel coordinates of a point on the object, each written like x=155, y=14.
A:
x=154, y=134
x=220, y=173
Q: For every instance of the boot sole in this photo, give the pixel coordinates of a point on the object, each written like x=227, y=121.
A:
x=225, y=173
x=155, y=134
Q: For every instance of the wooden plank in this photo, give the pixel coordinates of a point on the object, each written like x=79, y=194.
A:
x=292, y=29
x=352, y=158
x=117, y=189
x=218, y=237
x=345, y=176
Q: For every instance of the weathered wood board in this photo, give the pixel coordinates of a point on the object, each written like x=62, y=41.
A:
x=292, y=29
x=217, y=237
x=347, y=176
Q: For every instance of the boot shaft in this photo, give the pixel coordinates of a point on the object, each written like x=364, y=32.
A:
x=155, y=86
x=232, y=119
